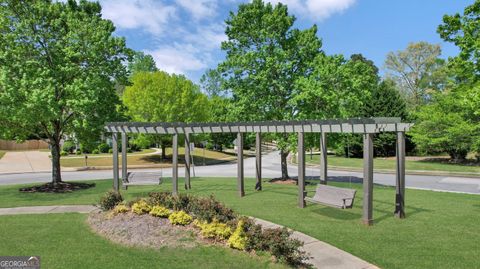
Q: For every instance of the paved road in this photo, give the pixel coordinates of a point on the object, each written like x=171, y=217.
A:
x=270, y=169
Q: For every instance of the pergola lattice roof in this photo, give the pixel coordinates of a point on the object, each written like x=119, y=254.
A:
x=353, y=125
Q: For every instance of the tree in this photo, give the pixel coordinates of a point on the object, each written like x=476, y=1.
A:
x=337, y=88
x=160, y=97
x=417, y=70
x=58, y=66
x=142, y=62
x=443, y=127
x=386, y=101
x=265, y=57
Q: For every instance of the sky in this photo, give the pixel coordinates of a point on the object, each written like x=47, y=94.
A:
x=184, y=36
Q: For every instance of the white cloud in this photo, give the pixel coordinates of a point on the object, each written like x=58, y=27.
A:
x=207, y=37
x=150, y=15
x=179, y=58
x=316, y=9
x=199, y=9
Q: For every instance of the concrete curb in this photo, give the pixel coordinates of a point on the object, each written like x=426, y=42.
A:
x=322, y=255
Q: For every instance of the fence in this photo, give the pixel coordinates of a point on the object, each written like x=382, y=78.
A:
x=27, y=145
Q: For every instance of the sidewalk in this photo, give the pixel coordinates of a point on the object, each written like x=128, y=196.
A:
x=322, y=255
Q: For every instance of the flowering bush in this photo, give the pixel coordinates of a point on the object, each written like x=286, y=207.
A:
x=120, y=208
x=160, y=211
x=215, y=229
x=180, y=218
x=238, y=239
x=141, y=207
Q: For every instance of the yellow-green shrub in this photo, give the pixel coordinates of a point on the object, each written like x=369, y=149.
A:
x=160, y=211
x=180, y=218
x=120, y=208
x=215, y=229
x=141, y=207
x=238, y=239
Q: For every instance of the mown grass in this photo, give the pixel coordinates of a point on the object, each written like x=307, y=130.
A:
x=440, y=231
x=389, y=164
x=2, y=153
x=155, y=160
x=66, y=241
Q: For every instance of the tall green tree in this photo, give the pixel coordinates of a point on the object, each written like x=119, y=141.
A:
x=265, y=56
x=161, y=97
x=337, y=88
x=142, y=62
x=386, y=101
x=418, y=70
x=58, y=67
x=443, y=126
x=451, y=123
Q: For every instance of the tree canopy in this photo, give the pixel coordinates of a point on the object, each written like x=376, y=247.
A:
x=265, y=56
x=58, y=66
x=161, y=97
x=418, y=70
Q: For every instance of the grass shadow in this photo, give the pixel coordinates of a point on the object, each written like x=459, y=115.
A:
x=336, y=213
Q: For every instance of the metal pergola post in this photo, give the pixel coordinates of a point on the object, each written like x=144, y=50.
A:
x=301, y=170
x=240, y=175
x=187, y=162
x=400, y=177
x=175, y=164
x=367, y=179
x=116, y=181
x=258, y=161
x=323, y=159
x=124, y=157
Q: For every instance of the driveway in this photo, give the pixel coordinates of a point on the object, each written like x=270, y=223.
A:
x=25, y=162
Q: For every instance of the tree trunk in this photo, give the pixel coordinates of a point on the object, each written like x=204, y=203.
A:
x=283, y=156
x=56, y=173
x=164, y=149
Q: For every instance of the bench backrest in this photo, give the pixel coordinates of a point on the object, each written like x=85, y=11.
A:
x=334, y=195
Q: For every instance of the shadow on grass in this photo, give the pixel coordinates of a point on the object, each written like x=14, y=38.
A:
x=198, y=161
x=336, y=213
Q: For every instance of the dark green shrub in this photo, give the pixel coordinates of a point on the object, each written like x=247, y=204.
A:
x=205, y=209
x=208, y=209
x=63, y=153
x=95, y=151
x=110, y=151
x=78, y=152
x=103, y=148
x=135, y=147
x=68, y=146
x=110, y=199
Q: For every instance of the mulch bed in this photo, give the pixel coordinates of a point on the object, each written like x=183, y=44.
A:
x=143, y=230
x=61, y=187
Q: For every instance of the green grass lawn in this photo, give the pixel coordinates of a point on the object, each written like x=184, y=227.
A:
x=66, y=241
x=388, y=164
x=211, y=157
x=2, y=152
x=440, y=231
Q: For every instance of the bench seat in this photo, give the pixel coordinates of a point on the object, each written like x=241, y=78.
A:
x=333, y=196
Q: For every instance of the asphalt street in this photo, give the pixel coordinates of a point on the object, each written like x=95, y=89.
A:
x=270, y=169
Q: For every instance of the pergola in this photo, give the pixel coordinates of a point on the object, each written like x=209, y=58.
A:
x=366, y=126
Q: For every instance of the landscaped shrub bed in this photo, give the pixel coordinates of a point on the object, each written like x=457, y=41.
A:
x=214, y=221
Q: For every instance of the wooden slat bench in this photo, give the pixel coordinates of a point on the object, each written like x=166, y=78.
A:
x=333, y=196
x=142, y=178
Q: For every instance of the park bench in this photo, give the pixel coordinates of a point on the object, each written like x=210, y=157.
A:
x=142, y=178
x=333, y=196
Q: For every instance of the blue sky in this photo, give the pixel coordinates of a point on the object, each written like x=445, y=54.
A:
x=184, y=36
